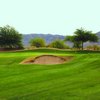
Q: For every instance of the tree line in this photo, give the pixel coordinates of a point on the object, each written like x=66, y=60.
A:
x=10, y=38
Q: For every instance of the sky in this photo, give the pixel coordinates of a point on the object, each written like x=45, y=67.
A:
x=61, y=17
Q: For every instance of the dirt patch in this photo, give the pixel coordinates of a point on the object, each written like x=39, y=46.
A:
x=47, y=60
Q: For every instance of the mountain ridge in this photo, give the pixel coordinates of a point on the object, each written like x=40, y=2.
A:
x=50, y=37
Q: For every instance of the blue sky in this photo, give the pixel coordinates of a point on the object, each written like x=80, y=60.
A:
x=50, y=16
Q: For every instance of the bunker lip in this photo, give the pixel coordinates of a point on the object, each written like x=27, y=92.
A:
x=47, y=60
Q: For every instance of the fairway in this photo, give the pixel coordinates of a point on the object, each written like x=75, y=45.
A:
x=78, y=79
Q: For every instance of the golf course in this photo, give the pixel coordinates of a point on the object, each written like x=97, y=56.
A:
x=77, y=79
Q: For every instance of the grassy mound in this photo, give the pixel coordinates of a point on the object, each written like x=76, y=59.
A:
x=75, y=80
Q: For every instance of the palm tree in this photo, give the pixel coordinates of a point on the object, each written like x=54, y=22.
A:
x=81, y=36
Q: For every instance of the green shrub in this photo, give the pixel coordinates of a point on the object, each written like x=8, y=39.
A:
x=58, y=44
x=37, y=42
x=93, y=47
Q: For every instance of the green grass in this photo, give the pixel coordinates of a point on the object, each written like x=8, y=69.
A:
x=78, y=79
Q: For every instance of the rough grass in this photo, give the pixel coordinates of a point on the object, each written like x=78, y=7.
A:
x=75, y=80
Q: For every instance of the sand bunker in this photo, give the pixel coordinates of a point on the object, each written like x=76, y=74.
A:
x=47, y=60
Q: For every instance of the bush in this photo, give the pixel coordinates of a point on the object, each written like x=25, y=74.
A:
x=37, y=42
x=58, y=44
x=93, y=47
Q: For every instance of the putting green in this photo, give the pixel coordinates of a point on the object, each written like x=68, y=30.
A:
x=78, y=79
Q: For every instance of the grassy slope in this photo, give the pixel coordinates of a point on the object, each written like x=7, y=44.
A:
x=76, y=80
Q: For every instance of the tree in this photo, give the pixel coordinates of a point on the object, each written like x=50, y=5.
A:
x=76, y=43
x=80, y=36
x=84, y=36
x=58, y=44
x=37, y=42
x=10, y=38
